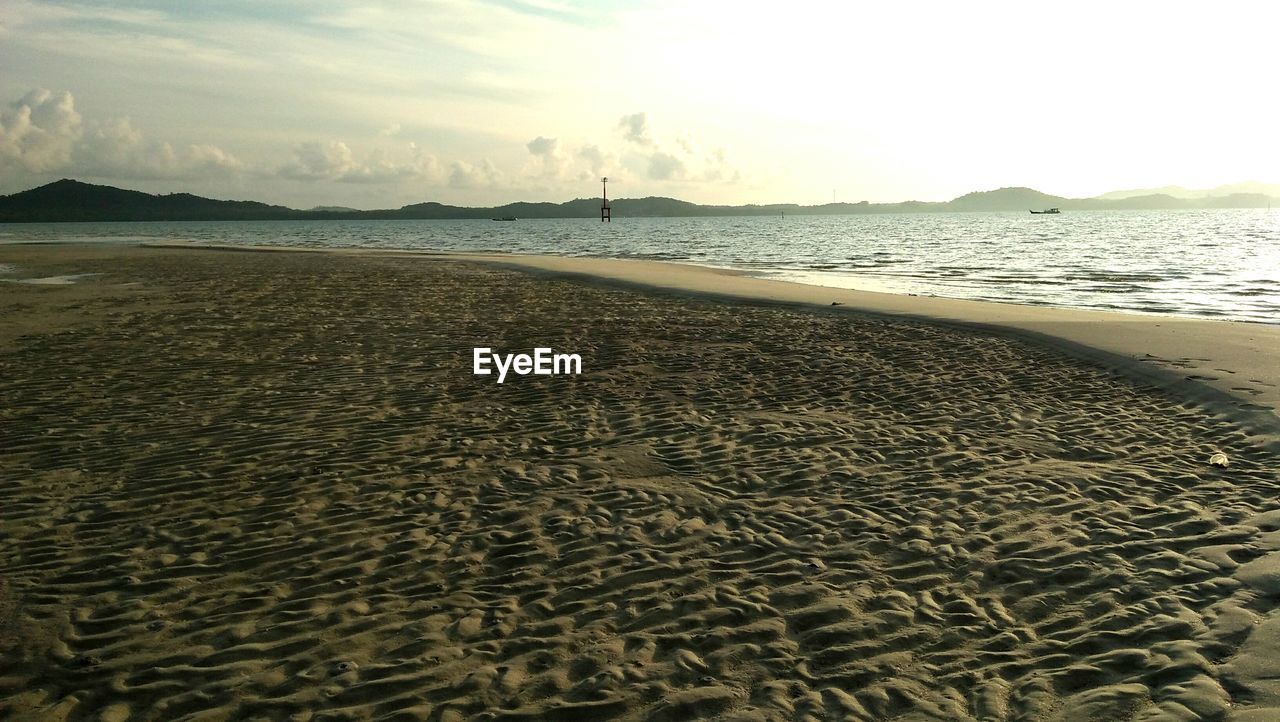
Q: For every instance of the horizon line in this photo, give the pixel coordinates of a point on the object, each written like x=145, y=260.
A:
x=1098, y=197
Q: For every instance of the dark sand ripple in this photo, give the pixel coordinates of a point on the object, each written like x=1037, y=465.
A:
x=267, y=486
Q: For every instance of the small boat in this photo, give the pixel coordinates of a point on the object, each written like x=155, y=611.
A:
x=505, y=218
x=1047, y=210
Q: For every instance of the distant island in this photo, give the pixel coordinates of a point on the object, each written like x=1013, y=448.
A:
x=69, y=200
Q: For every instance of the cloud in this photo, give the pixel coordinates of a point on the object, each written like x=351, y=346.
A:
x=39, y=132
x=559, y=169
x=543, y=146
x=381, y=167
x=635, y=128
x=426, y=165
x=116, y=149
x=319, y=161
x=481, y=175
x=43, y=133
x=717, y=168
x=683, y=161
x=599, y=161
x=664, y=166
x=552, y=163
x=334, y=161
x=714, y=167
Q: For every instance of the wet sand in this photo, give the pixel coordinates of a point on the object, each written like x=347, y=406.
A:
x=1228, y=366
x=248, y=485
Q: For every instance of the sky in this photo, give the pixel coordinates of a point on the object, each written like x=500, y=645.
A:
x=484, y=102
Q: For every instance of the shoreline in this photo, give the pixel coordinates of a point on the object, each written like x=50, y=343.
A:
x=1110, y=266
x=1226, y=367
x=837, y=280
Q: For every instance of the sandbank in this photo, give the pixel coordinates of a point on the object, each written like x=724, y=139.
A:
x=1234, y=366
x=267, y=486
x=1228, y=366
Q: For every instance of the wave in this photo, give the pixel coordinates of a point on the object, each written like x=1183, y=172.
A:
x=1163, y=262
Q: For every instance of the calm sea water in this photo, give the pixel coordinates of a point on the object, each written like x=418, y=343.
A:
x=1211, y=263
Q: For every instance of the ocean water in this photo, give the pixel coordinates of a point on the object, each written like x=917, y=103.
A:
x=1222, y=264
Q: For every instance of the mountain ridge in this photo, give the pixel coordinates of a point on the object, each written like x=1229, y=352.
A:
x=1247, y=187
x=70, y=200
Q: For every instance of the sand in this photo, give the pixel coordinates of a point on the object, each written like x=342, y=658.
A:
x=1230, y=367
x=266, y=486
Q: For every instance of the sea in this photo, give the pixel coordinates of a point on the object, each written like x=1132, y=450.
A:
x=1219, y=264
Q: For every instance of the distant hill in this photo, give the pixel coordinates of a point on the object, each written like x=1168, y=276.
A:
x=1246, y=188
x=70, y=200
x=1005, y=199
x=1171, y=191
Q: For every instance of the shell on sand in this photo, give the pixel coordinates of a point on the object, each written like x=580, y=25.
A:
x=1219, y=459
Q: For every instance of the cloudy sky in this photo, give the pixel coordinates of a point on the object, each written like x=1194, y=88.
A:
x=480, y=102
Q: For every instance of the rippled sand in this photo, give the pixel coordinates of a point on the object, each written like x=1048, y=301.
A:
x=268, y=486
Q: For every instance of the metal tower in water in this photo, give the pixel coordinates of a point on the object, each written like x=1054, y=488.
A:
x=605, y=214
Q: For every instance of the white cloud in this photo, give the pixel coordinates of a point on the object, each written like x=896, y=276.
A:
x=481, y=175
x=116, y=149
x=717, y=168
x=556, y=171
x=43, y=133
x=600, y=162
x=635, y=128
x=319, y=161
x=426, y=165
x=541, y=146
x=39, y=132
x=380, y=167
x=552, y=163
x=681, y=162
x=335, y=161
x=664, y=166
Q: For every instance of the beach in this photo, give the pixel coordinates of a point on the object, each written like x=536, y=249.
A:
x=268, y=485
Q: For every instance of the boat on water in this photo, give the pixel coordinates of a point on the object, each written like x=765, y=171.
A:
x=1047, y=210
x=505, y=218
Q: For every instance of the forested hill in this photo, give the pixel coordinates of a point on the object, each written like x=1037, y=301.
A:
x=70, y=200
